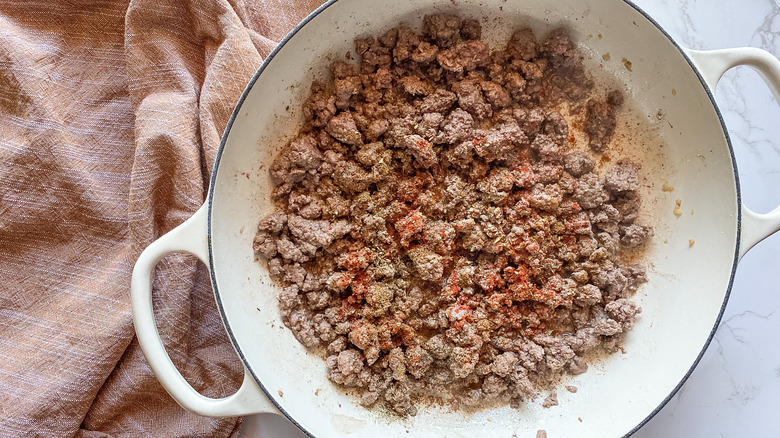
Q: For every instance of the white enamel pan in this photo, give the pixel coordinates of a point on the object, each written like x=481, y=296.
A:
x=671, y=88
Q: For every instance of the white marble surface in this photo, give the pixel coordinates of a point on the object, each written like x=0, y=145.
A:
x=735, y=390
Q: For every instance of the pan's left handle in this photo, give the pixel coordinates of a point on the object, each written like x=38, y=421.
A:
x=712, y=64
x=189, y=237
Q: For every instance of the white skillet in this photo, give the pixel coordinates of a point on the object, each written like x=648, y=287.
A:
x=683, y=301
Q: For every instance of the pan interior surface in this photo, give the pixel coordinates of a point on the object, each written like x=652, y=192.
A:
x=690, y=260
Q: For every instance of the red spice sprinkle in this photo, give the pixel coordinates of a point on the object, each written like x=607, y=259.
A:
x=491, y=281
x=357, y=260
x=453, y=286
x=359, y=286
x=410, y=225
x=423, y=144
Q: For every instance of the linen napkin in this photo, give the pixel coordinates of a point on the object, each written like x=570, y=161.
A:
x=111, y=113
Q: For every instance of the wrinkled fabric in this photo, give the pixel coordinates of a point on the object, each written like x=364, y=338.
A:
x=111, y=114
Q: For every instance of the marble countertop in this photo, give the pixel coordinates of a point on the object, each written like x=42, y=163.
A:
x=735, y=390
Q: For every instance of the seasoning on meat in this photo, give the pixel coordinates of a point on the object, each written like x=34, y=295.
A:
x=438, y=234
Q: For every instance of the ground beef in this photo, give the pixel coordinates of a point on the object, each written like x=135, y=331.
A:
x=600, y=120
x=437, y=232
x=550, y=400
x=343, y=128
x=623, y=177
x=577, y=163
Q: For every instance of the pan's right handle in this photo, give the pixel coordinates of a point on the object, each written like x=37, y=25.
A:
x=190, y=237
x=712, y=64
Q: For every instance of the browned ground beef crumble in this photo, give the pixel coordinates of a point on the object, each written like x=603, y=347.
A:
x=439, y=234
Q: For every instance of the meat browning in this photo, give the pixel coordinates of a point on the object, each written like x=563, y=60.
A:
x=438, y=233
x=600, y=120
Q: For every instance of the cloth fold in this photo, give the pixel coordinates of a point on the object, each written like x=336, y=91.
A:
x=111, y=113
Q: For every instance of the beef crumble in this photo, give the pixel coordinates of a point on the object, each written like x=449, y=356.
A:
x=437, y=231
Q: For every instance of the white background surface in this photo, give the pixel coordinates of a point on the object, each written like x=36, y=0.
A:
x=735, y=390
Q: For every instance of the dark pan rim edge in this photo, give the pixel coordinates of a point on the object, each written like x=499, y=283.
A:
x=270, y=57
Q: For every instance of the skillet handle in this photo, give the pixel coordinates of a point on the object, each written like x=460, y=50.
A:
x=712, y=64
x=190, y=237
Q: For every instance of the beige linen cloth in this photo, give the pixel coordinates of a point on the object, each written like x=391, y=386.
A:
x=110, y=117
